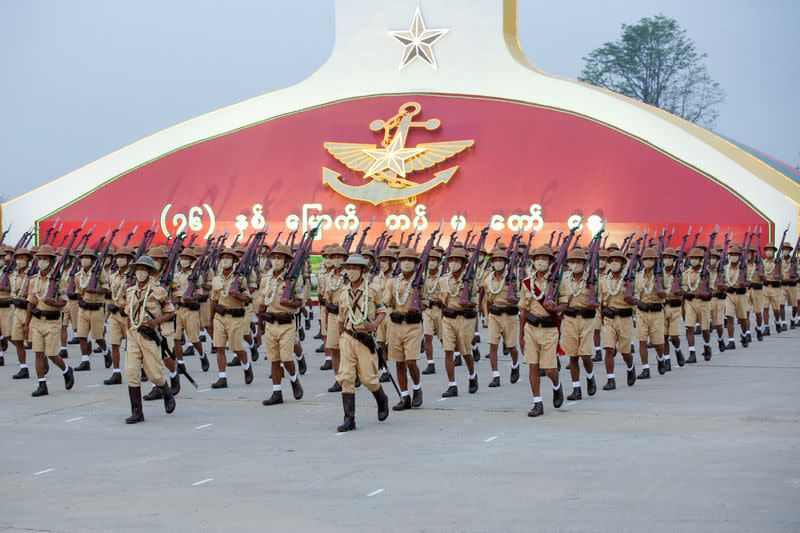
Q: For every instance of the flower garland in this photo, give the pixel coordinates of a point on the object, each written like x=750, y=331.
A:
x=571, y=285
x=83, y=278
x=351, y=316
x=612, y=291
x=449, y=286
x=490, y=282
x=272, y=287
x=401, y=299
x=135, y=323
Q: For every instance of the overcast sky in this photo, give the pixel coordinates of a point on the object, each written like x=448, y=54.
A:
x=82, y=78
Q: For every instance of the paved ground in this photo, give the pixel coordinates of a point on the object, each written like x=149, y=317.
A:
x=711, y=447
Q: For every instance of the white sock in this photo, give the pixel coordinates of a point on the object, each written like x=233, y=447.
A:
x=223, y=375
x=758, y=328
x=515, y=365
x=246, y=366
x=299, y=357
x=590, y=375
x=453, y=384
x=23, y=365
x=42, y=380
x=647, y=366
x=173, y=374
x=416, y=386
x=405, y=393
x=610, y=376
x=62, y=348
x=327, y=358
x=456, y=354
x=84, y=358
x=706, y=343
x=277, y=388
x=66, y=369
x=180, y=362
x=117, y=371
x=630, y=368
x=537, y=399
x=691, y=348
x=495, y=373
x=576, y=384
x=596, y=348
x=473, y=375
x=556, y=387
x=293, y=378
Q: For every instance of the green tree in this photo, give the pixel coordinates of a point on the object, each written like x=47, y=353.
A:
x=656, y=62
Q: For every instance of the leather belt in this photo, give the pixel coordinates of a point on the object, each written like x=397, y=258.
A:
x=611, y=312
x=512, y=310
x=222, y=310
x=737, y=290
x=90, y=306
x=332, y=309
x=453, y=313
x=772, y=283
x=191, y=306
x=541, y=321
x=20, y=304
x=674, y=303
x=408, y=318
x=583, y=313
x=757, y=286
x=650, y=308
x=280, y=319
x=46, y=315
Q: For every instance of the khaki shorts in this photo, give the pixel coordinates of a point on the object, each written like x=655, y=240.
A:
x=672, y=320
x=432, y=321
x=577, y=335
x=790, y=295
x=279, y=341
x=323, y=320
x=143, y=353
x=774, y=297
x=332, y=335
x=71, y=313
x=205, y=313
x=187, y=322
x=505, y=326
x=45, y=336
x=229, y=331
x=736, y=306
x=356, y=359
x=756, y=299
x=697, y=311
x=650, y=325
x=457, y=334
x=117, y=328
x=617, y=333
x=91, y=322
x=6, y=321
x=718, y=311
x=382, y=333
x=18, y=326
x=540, y=346
x=404, y=342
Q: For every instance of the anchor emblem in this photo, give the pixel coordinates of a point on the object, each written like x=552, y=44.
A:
x=388, y=167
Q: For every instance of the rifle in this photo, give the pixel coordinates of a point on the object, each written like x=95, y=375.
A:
x=348, y=241
x=199, y=266
x=696, y=236
x=593, y=261
x=364, y=232
x=49, y=232
x=242, y=269
x=298, y=262
x=140, y=251
x=742, y=279
x=129, y=235
x=97, y=268
x=705, y=275
x=758, y=259
x=669, y=238
x=74, y=268
x=448, y=251
x=554, y=278
x=439, y=239
x=3, y=238
x=469, y=275
x=793, y=261
x=469, y=234
x=558, y=241
x=416, y=240
x=577, y=240
x=511, y=274
x=778, y=260
x=168, y=268
x=552, y=234
x=629, y=273
x=678, y=268
x=627, y=241
x=55, y=274
x=12, y=265
x=658, y=270
x=422, y=269
x=721, y=264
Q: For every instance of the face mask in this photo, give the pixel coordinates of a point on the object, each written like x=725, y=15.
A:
x=226, y=263
x=669, y=261
x=107, y=261
x=734, y=259
x=328, y=263
x=277, y=263
x=713, y=262
x=353, y=274
x=576, y=268
x=142, y=275
x=601, y=263
x=122, y=261
x=694, y=261
x=433, y=264
x=541, y=264
x=407, y=265
x=455, y=265
x=649, y=263
x=44, y=264
x=498, y=265
x=185, y=263
x=770, y=254
x=614, y=266
x=787, y=255
x=338, y=262
x=21, y=263
x=86, y=262
x=385, y=264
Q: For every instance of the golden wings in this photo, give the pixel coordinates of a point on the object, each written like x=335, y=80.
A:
x=352, y=154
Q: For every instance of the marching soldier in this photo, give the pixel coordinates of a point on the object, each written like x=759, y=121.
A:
x=322, y=277
x=503, y=315
x=650, y=313
x=539, y=332
x=789, y=286
x=387, y=259
x=617, y=308
x=279, y=315
x=118, y=320
x=187, y=312
x=432, y=316
x=774, y=297
x=43, y=321
x=697, y=306
x=228, y=321
x=147, y=307
x=406, y=332
x=458, y=321
x=602, y=268
x=718, y=298
x=736, y=303
x=333, y=285
x=755, y=295
x=672, y=310
x=361, y=314
x=14, y=318
x=91, y=313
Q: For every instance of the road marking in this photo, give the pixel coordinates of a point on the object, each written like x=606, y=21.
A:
x=74, y=419
x=203, y=390
x=203, y=426
x=441, y=399
x=91, y=386
x=319, y=395
x=572, y=403
x=490, y=439
x=374, y=493
x=339, y=434
x=203, y=481
x=43, y=471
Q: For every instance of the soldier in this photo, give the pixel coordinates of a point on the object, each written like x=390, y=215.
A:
x=577, y=326
x=279, y=315
x=387, y=259
x=755, y=295
x=406, y=332
x=539, y=332
x=43, y=321
x=718, y=297
x=602, y=268
x=118, y=320
x=187, y=313
x=697, y=308
x=333, y=284
x=227, y=322
x=617, y=307
x=322, y=277
x=361, y=314
x=91, y=315
x=789, y=286
x=147, y=307
x=650, y=313
x=11, y=315
x=736, y=303
x=432, y=315
x=503, y=314
x=774, y=297
x=672, y=310
x=458, y=320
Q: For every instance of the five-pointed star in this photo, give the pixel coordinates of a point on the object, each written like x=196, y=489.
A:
x=418, y=41
x=391, y=158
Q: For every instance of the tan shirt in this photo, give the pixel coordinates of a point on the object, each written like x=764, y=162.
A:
x=118, y=284
x=644, y=288
x=450, y=292
x=531, y=287
x=333, y=286
x=491, y=285
x=18, y=281
x=575, y=295
x=397, y=294
x=220, y=289
x=770, y=272
x=82, y=279
x=353, y=300
x=146, y=303
x=37, y=291
x=691, y=282
x=271, y=290
x=607, y=285
x=431, y=286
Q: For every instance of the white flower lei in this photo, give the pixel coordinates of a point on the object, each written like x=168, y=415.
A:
x=272, y=287
x=728, y=270
x=83, y=278
x=541, y=289
x=354, y=320
x=751, y=272
x=448, y=278
x=771, y=270
x=490, y=284
x=689, y=280
x=40, y=295
x=571, y=286
x=609, y=290
x=667, y=280
x=334, y=287
x=401, y=300
x=134, y=323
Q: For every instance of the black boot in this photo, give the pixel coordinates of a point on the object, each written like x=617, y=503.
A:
x=115, y=379
x=248, y=375
x=679, y=357
x=767, y=333
x=358, y=382
x=611, y=384
x=318, y=336
x=692, y=358
x=41, y=390
x=591, y=386
x=632, y=376
x=202, y=337
x=383, y=404
x=476, y=353
x=169, y=399
x=384, y=378
x=707, y=352
x=721, y=345
x=760, y=334
x=97, y=350
x=336, y=387
x=667, y=364
x=302, y=367
x=188, y=352
x=416, y=398
x=538, y=410
x=234, y=362
x=558, y=396
x=143, y=377
x=154, y=394
x=662, y=367
x=457, y=360
x=275, y=399
x=69, y=378
x=254, y=353
x=221, y=383
x=644, y=374
x=321, y=349
x=403, y=404
x=451, y=391
x=514, y=374
x=107, y=358
x=505, y=348
x=62, y=353
x=85, y=365
x=137, y=415
x=297, y=389
x=731, y=345
x=349, y=406
x=327, y=365
x=307, y=324
x=473, y=384
x=23, y=373
x=301, y=334
x=598, y=356
x=422, y=346
x=175, y=384
x=73, y=341
x=576, y=394
x=495, y=382
x=430, y=369
x=204, y=364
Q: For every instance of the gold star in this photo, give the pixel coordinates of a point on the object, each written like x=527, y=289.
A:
x=418, y=42
x=391, y=158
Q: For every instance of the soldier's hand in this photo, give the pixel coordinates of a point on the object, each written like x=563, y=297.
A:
x=25, y=331
x=152, y=324
x=522, y=345
x=593, y=306
x=630, y=300
x=369, y=327
x=549, y=306
x=662, y=294
x=51, y=302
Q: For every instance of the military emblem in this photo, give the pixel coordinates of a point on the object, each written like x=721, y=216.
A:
x=387, y=168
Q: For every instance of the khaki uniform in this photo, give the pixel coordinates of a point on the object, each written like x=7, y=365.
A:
x=45, y=330
x=333, y=287
x=229, y=330
x=118, y=320
x=755, y=294
x=617, y=330
x=736, y=304
x=696, y=310
x=355, y=356
x=789, y=284
x=459, y=328
x=503, y=316
x=406, y=332
x=90, y=321
x=379, y=283
x=774, y=296
x=432, y=316
x=187, y=321
x=18, y=282
x=672, y=308
x=322, y=275
x=718, y=301
x=577, y=332
x=6, y=312
x=541, y=329
x=279, y=332
x=144, y=304
x=649, y=324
